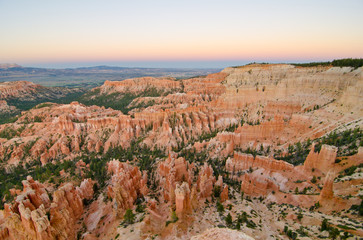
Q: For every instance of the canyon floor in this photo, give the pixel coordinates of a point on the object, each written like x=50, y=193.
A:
x=261, y=151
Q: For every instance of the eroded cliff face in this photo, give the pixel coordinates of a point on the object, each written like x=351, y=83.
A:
x=17, y=89
x=127, y=184
x=182, y=199
x=282, y=182
x=287, y=82
x=140, y=85
x=322, y=161
x=181, y=186
x=172, y=171
x=203, y=125
x=278, y=102
x=68, y=129
x=28, y=92
x=267, y=177
x=35, y=216
x=242, y=162
x=5, y=108
x=184, y=191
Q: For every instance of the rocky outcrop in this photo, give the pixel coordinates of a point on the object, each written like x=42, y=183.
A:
x=182, y=199
x=279, y=80
x=224, y=194
x=223, y=188
x=327, y=191
x=17, y=89
x=127, y=184
x=28, y=92
x=245, y=134
x=209, y=85
x=322, y=161
x=205, y=181
x=155, y=221
x=5, y=108
x=257, y=186
x=4, y=233
x=279, y=96
x=141, y=85
x=255, y=107
x=242, y=162
x=100, y=218
x=35, y=216
x=69, y=129
x=265, y=175
x=85, y=190
x=172, y=171
x=179, y=189
x=284, y=108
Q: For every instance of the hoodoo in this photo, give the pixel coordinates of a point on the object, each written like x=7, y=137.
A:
x=262, y=150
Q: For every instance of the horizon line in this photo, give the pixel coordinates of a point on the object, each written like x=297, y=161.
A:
x=181, y=64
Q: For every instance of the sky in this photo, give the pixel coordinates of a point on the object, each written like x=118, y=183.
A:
x=188, y=33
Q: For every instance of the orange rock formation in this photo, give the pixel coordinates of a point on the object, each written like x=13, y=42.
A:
x=127, y=183
x=323, y=160
x=35, y=216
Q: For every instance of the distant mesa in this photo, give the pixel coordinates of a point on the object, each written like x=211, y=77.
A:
x=9, y=65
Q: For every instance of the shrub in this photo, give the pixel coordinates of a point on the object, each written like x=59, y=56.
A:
x=313, y=180
x=220, y=207
x=324, y=225
x=129, y=216
x=8, y=133
x=229, y=219
x=217, y=191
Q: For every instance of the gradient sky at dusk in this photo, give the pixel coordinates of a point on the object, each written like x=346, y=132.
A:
x=186, y=33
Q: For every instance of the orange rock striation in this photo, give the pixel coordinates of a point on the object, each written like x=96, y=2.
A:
x=139, y=85
x=278, y=102
x=127, y=183
x=242, y=161
x=17, y=89
x=201, y=105
x=322, y=161
x=35, y=216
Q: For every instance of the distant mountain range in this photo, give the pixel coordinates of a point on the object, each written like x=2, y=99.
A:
x=17, y=67
x=89, y=77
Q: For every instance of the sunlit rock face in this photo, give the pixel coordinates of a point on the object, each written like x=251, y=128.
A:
x=205, y=128
x=242, y=161
x=281, y=97
x=182, y=199
x=322, y=161
x=127, y=183
x=24, y=91
x=17, y=89
x=34, y=216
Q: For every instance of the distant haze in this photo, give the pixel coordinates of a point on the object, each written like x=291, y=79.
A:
x=161, y=33
x=219, y=64
x=143, y=64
